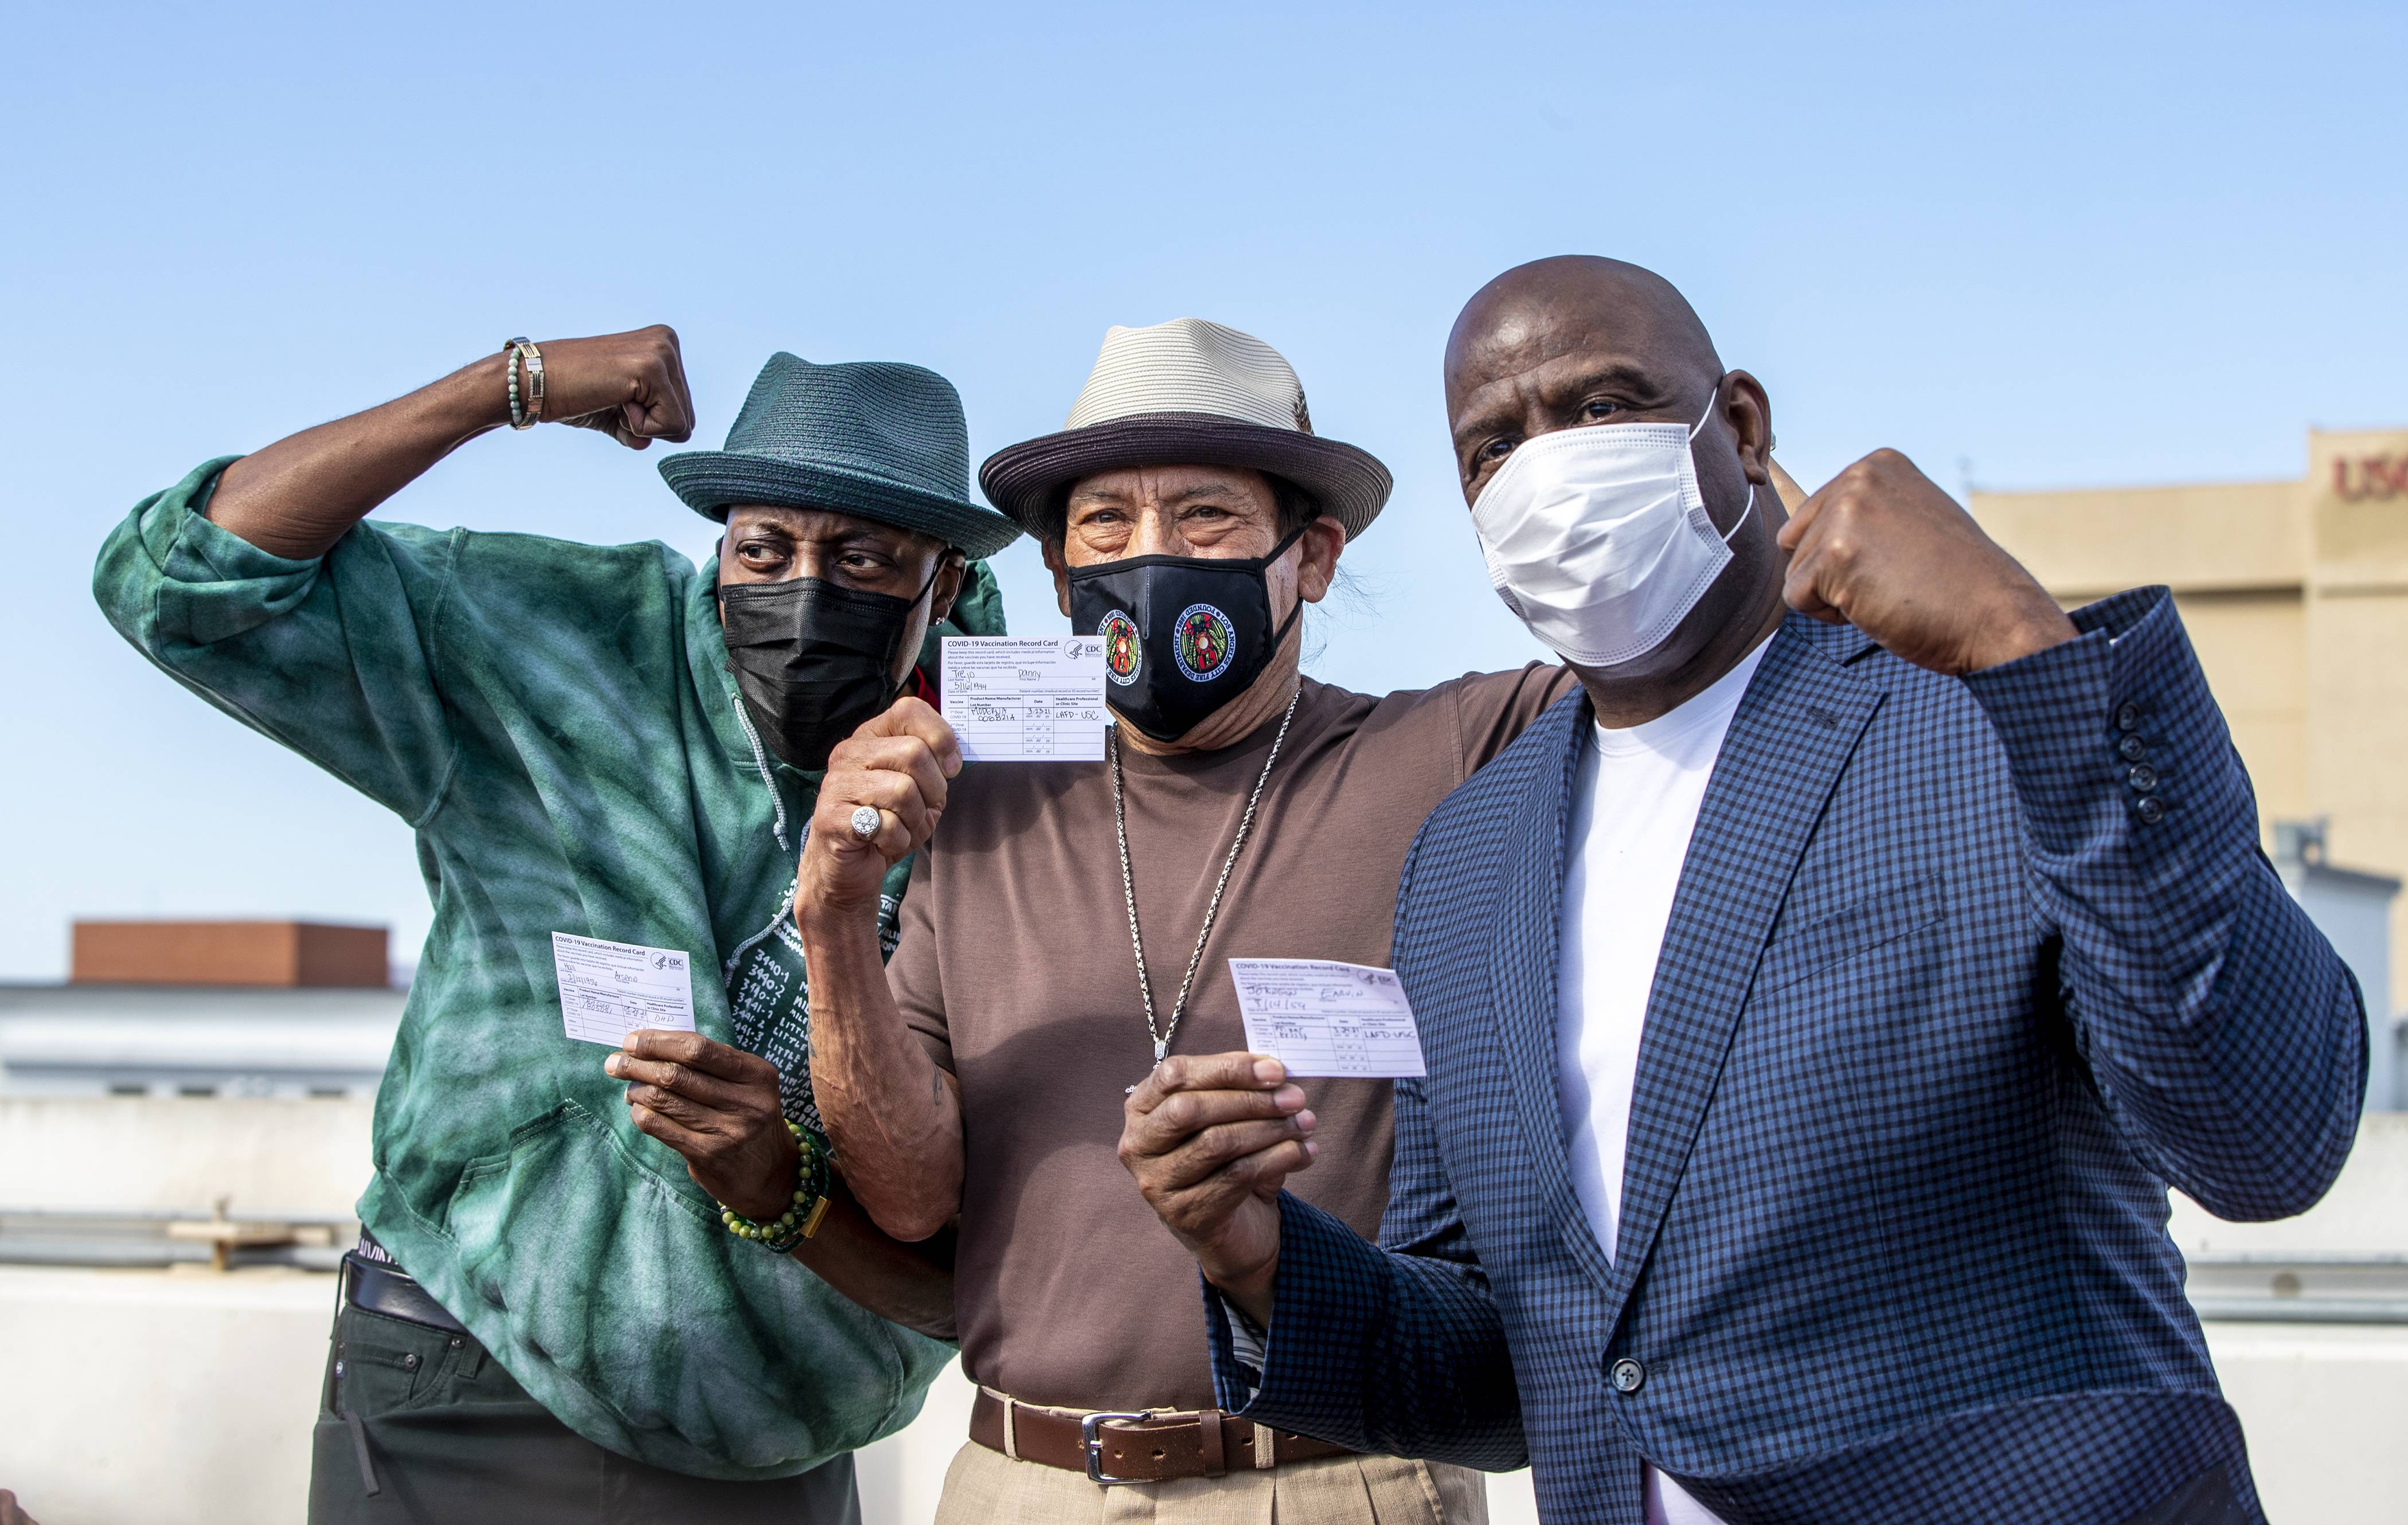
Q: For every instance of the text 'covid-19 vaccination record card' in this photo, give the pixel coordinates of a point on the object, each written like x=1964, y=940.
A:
x=1026, y=699
x=1325, y=1019
x=610, y=989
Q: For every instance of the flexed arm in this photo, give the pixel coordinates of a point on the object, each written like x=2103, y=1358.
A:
x=296, y=498
x=2227, y=1034
x=252, y=582
x=894, y=1116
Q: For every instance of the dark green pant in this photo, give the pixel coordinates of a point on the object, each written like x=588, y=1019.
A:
x=453, y=1438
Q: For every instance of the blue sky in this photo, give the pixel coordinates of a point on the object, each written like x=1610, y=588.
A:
x=2065, y=245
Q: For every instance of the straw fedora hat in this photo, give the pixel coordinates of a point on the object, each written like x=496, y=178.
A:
x=1186, y=392
x=877, y=439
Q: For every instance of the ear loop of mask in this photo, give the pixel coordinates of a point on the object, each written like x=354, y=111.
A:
x=1703, y=418
x=1297, y=612
x=934, y=573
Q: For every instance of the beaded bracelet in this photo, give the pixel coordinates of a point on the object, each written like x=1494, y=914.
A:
x=801, y=1219
x=532, y=413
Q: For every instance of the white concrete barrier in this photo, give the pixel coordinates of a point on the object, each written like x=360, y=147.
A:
x=160, y=1397
x=271, y=1155
x=186, y=1397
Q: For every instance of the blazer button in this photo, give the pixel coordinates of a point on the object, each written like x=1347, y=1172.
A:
x=1627, y=1374
x=2142, y=778
x=2151, y=808
x=2127, y=717
x=2133, y=748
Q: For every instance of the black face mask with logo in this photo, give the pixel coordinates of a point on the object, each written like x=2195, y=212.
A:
x=1183, y=635
x=812, y=660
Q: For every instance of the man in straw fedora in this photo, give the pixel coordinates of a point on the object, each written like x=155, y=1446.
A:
x=549, y=1316
x=1188, y=512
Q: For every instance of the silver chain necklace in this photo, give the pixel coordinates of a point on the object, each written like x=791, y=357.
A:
x=1128, y=882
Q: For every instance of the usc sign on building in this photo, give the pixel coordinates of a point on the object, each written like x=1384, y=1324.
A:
x=2295, y=596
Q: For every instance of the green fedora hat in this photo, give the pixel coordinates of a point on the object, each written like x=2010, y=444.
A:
x=872, y=437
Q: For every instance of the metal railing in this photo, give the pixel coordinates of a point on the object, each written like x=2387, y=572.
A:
x=2299, y=1287
x=130, y=1239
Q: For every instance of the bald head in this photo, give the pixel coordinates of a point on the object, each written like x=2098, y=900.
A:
x=1550, y=306
x=1570, y=340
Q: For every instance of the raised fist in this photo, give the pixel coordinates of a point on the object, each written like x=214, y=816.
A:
x=1883, y=549
x=630, y=386
x=897, y=764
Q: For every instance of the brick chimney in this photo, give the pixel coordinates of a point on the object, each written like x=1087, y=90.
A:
x=285, y=954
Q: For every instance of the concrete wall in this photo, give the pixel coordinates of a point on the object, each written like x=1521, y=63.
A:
x=2357, y=660
x=99, y=1039
x=184, y=1397
x=308, y=1157
x=2216, y=536
x=160, y=1397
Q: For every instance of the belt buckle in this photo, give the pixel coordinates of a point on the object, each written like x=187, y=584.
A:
x=1092, y=1444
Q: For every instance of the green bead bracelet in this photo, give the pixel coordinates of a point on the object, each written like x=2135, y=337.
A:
x=801, y=1219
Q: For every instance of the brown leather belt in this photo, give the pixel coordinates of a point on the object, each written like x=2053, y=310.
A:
x=1137, y=1447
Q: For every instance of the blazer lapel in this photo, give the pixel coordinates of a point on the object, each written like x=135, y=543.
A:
x=1523, y=967
x=1789, y=743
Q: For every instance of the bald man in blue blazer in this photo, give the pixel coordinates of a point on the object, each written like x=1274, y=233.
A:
x=1816, y=1006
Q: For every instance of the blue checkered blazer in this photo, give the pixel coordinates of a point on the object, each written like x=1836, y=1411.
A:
x=1959, y=976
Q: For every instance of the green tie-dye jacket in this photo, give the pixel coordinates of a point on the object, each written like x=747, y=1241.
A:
x=556, y=723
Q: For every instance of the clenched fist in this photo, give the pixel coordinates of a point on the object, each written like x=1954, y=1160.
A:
x=630, y=386
x=895, y=763
x=1884, y=550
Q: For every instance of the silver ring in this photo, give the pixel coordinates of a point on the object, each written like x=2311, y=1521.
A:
x=864, y=822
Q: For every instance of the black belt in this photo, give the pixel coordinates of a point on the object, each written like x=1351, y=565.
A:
x=384, y=1289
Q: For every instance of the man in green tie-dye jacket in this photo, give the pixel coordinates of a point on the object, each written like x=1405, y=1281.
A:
x=547, y=1319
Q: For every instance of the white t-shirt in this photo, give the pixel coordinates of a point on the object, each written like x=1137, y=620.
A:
x=1634, y=806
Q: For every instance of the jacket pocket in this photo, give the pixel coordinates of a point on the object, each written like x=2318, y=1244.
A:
x=1884, y=916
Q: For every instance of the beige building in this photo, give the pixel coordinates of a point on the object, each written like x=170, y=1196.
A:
x=2295, y=596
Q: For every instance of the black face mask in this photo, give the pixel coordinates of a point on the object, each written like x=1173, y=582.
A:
x=813, y=660
x=1183, y=635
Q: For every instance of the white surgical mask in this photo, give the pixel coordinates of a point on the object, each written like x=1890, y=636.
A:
x=1598, y=538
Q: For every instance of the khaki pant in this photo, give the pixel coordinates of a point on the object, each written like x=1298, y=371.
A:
x=987, y=1487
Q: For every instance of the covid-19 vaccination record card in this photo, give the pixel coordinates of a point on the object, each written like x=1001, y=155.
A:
x=1320, y=1017
x=1025, y=699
